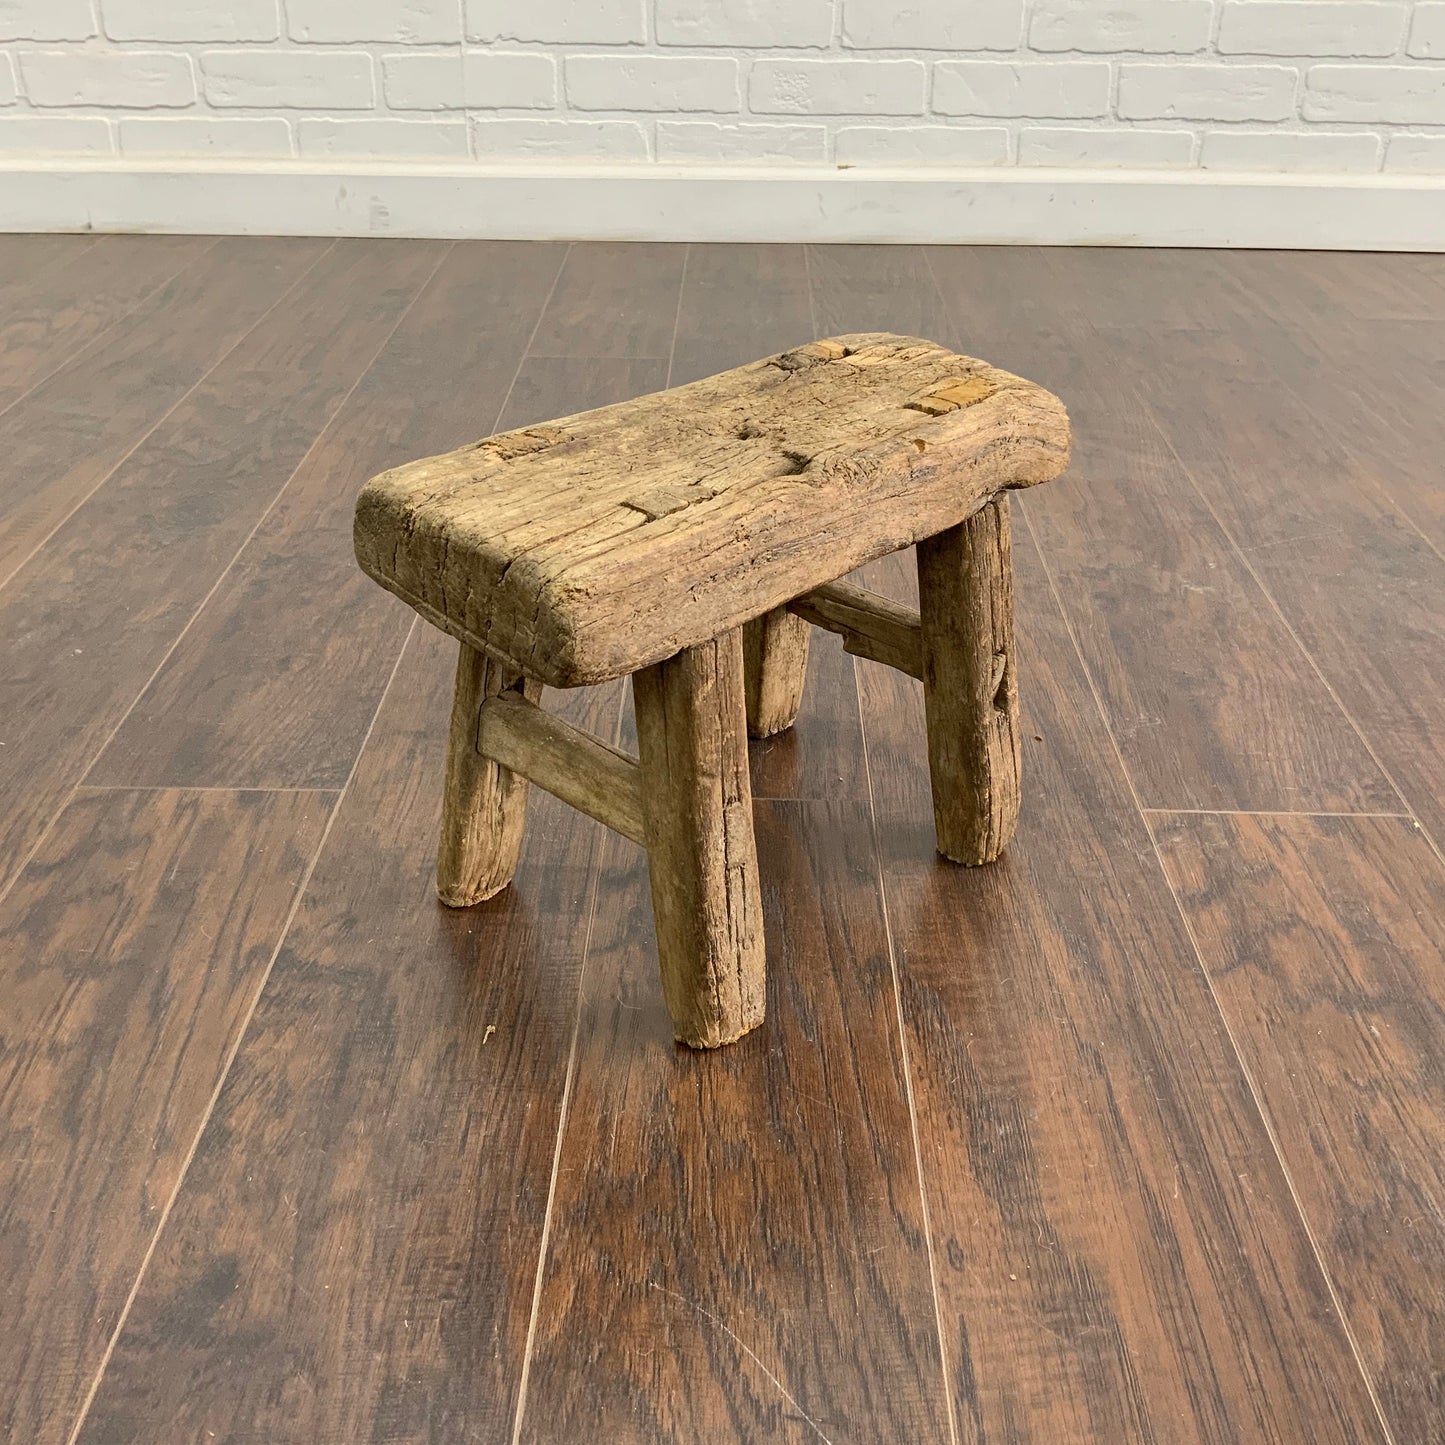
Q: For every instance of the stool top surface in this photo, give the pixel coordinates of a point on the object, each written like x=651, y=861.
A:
x=600, y=543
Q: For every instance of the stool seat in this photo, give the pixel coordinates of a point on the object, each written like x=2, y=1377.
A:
x=602, y=543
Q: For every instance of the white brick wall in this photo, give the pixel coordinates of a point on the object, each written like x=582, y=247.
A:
x=1224, y=85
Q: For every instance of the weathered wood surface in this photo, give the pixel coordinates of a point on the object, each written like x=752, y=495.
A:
x=698, y=805
x=607, y=541
x=871, y=626
x=775, y=668
x=570, y=764
x=970, y=684
x=484, y=805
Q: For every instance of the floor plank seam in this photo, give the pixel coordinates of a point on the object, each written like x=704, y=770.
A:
x=241, y=1031
x=190, y=788
x=906, y=1069
x=1274, y=813
x=79, y=353
x=1266, y=1122
x=1297, y=639
x=569, y=1080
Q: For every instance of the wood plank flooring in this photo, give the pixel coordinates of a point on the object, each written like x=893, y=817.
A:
x=1133, y=1137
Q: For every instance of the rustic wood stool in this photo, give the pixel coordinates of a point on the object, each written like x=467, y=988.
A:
x=688, y=538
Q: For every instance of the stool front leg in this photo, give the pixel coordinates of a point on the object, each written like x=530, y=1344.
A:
x=484, y=806
x=697, y=808
x=775, y=663
x=965, y=587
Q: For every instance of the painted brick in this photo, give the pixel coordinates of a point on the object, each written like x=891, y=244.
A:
x=761, y=23
x=650, y=82
x=55, y=135
x=1405, y=95
x=1276, y=150
x=495, y=138
x=836, y=87
x=1053, y=89
x=191, y=20
x=710, y=140
x=932, y=24
x=597, y=22
x=405, y=22
x=435, y=139
x=149, y=135
x=1063, y=146
x=1419, y=153
x=1206, y=92
x=1158, y=26
x=475, y=81
x=921, y=145
x=1310, y=27
x=118, y=78
x=47, y=20
x=309, y=80
x=1427, y=32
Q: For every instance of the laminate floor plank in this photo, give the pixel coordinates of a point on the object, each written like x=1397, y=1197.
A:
x=1119, y=1255
x=353, y=1254
x=275, y=683
x=738, y=1247
x=131, y=950
x=89, y=618
x=78, y=425
x=1325, y=943
x=67, y=307
x=613, y=300
x=1362, y=589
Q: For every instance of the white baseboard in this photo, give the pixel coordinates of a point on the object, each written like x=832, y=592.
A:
x=727, y=203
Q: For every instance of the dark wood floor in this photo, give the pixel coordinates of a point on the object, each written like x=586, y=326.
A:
x=1138, y=1136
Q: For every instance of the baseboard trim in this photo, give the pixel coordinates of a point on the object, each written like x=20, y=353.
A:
x=717, y=203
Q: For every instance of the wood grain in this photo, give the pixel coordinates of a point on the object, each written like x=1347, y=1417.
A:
x=79, y=424
x=739, y=492
x=275, y=683
x=697, y=807
x=775, y=668
x=353, y=1254
x=738, y=1247
x=130, y=952
x=484, y=804
x=1325, y=943
x=1119, y=1257
x=970, y=684
x=582, y=770
x=68, y=306
x=90, y=617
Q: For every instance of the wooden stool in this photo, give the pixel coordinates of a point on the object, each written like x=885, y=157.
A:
x=688, y=539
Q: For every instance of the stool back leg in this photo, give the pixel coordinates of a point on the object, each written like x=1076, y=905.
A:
x=970, y=691
x=484, y=805
x=775, y=663
x=697, y=808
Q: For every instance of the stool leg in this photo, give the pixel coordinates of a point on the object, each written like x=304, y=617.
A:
x=775, y=665
x=697, y=806
x=965, y=586
x=484, y=807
